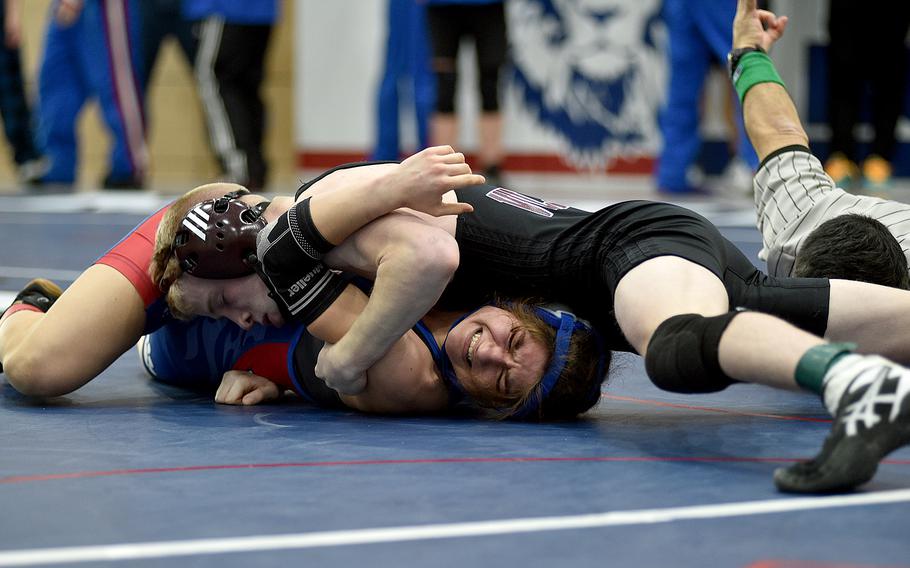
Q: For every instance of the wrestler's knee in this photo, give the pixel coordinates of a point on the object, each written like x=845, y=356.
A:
x=683, y=354
x=39, y=374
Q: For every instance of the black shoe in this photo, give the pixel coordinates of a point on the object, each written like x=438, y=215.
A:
x=40, y=293
x=872, y=421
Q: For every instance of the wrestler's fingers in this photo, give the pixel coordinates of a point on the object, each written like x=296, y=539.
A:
x=465, y=180
x=444, y=149
x=458, y=169
x=235, y=392
x=453, y=209
x=454, y=158
x=219, y=394
x=224, y=395
x=223, y=391
x=260, y=393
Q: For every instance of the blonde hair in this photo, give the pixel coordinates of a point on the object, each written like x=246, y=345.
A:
x=164, y=268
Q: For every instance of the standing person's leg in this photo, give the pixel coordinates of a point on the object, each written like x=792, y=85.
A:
x=444, y=25
x=716, y=25
x=62, y=90
x=845, y=77
x=387, y=101
x=424, y=85
x=689, y=57
x=111, y=36
x=489, y=23
x=154, y=30
x=17, y=116
x=250, y=133
x=887, y=78
x=220, y=67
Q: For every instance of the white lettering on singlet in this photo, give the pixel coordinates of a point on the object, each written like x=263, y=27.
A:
x=526, y=202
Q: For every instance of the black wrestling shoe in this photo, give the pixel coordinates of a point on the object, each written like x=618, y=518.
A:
x=873, y=420
x=40, y=293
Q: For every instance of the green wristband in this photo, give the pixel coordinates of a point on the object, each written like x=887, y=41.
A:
x=754, y=68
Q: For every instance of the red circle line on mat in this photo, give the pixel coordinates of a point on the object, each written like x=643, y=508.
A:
x=349, y=463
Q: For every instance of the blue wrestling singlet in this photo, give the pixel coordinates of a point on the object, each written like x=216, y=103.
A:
x=196, y=354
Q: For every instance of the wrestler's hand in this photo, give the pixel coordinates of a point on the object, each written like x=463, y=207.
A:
x=422, y=179
x=753, y=27
x=247, y=389
x=338, y=372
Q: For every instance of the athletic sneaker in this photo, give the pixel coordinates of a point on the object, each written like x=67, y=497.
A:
x=40, y=293
x=872, y=420
x=842, y=170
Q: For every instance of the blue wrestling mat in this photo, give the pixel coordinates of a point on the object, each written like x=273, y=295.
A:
x=125, y=472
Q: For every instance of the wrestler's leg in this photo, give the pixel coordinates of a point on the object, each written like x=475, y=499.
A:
x=754, y=347
x=99, y=317
x=876, y=318
x=868, y=396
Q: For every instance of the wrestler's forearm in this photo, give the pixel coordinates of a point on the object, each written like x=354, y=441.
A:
x=771, y=119
x=768, y=112
x=401, y=380
x=350, y=199
x=413, y=263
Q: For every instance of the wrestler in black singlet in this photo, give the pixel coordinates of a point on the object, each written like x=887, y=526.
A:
x=514, y=246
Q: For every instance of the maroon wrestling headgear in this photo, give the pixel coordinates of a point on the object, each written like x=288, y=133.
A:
x=217, y=238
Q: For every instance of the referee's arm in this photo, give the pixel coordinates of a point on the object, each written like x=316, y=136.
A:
x=768, y=112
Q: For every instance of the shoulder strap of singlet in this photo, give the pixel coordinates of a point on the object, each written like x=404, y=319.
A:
x=307, y=185
x=456, y=392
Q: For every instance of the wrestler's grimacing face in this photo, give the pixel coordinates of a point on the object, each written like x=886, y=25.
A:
x=494, y=357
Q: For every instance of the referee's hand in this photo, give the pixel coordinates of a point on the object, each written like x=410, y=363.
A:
x=752, y=26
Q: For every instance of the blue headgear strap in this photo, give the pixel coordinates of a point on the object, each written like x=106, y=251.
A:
x=565, y=323
x=456, y=391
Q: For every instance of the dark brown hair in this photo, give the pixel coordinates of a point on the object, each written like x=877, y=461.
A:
x=853, y=247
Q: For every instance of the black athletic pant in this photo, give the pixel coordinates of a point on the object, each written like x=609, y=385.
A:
x=229, y=69
x=448, y=24
x=867, y=45
x=162, y=19
x=17, y=118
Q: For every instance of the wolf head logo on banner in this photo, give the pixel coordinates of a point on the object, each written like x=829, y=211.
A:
x=593, y=72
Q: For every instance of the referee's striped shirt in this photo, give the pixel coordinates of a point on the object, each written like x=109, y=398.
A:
x=794, y=195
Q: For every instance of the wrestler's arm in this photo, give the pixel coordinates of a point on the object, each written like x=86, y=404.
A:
x=404, y=381
x=768, y=112
x=411, y=261
x=348, y=199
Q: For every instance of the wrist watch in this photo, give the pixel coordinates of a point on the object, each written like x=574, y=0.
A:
x=736, y=54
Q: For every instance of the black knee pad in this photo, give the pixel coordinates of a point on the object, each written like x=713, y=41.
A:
x=445, y=91
x=683, y=354
x=489, y=89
